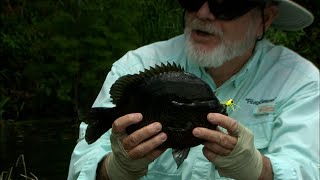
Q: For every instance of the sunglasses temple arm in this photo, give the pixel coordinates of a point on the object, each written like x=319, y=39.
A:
x=263, y=24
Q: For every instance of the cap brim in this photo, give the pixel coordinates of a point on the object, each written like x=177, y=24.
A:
x=292, y=16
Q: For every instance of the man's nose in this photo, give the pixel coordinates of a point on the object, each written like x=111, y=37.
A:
x=204, y=12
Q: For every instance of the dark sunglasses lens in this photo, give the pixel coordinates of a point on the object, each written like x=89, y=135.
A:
x=221, y=9
x=230, y=9
x=191, y=5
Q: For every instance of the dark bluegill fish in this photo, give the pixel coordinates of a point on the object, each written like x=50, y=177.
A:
x=180, y=101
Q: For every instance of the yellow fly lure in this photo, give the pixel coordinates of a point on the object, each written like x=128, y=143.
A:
x=230, y=103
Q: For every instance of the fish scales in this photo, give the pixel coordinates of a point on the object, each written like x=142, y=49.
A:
x=180, y=101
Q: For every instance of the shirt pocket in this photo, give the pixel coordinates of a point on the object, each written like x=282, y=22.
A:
x=261, y=125
x=156, y=175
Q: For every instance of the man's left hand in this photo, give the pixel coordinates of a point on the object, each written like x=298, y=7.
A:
x=233, y=152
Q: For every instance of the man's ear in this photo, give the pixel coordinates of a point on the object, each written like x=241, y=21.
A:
x=270, y=13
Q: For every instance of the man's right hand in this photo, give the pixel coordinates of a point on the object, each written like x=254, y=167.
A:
x=131, y=154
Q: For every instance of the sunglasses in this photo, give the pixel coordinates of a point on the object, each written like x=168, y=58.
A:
x=223, y=9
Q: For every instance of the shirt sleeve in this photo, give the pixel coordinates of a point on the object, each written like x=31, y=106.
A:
x=294, y=148
x=85, y=157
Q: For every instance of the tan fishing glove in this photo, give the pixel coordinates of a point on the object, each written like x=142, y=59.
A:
x=120, y=166
x=244, y=162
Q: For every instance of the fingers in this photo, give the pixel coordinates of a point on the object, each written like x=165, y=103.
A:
x=147, y=147
x=141, y=135
x=213, y=147
x=224, y=140
x=209, y=154
x=141, y=143
x=226, y=122
x=119, y=125
x=155, y=154
x=218, y=142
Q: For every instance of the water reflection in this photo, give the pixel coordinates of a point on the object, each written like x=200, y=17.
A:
x=45, y=144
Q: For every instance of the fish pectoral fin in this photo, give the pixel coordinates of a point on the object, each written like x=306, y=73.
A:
x=180, y=155
x=99, y=121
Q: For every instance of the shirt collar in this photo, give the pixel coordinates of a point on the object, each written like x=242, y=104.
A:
x=238, y=78
x=249, y=66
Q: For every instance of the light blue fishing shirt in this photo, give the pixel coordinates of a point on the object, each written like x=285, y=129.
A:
x=277, y=92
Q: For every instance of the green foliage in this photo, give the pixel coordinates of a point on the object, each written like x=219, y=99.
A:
x=58, y=52
x=161, y=20
x=305, y=42
x=55, y=54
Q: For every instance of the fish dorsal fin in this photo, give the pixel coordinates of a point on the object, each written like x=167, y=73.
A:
x=124, y=83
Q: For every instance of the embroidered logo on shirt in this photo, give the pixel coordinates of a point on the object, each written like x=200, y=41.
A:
x=262, y=101
x=265, y=109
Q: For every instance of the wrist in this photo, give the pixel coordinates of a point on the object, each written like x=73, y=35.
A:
x=266, y=173
x=101, y=173
x=245, y=162
x=244, y=170
x=120, y=166
x=129, y=170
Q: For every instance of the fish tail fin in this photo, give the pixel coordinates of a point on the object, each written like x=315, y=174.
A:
x=99, y=121
x=180, y=155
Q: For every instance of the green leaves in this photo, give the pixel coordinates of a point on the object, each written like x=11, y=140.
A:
x=55, y=55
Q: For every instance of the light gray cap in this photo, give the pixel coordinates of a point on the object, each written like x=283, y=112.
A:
x=292, y=16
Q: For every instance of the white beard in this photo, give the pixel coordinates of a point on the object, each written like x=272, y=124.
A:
x=225, y=51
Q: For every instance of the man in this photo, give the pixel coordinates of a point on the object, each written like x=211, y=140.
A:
x=273, y=135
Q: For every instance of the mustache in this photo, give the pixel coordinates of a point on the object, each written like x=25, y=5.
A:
x=197, y=24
